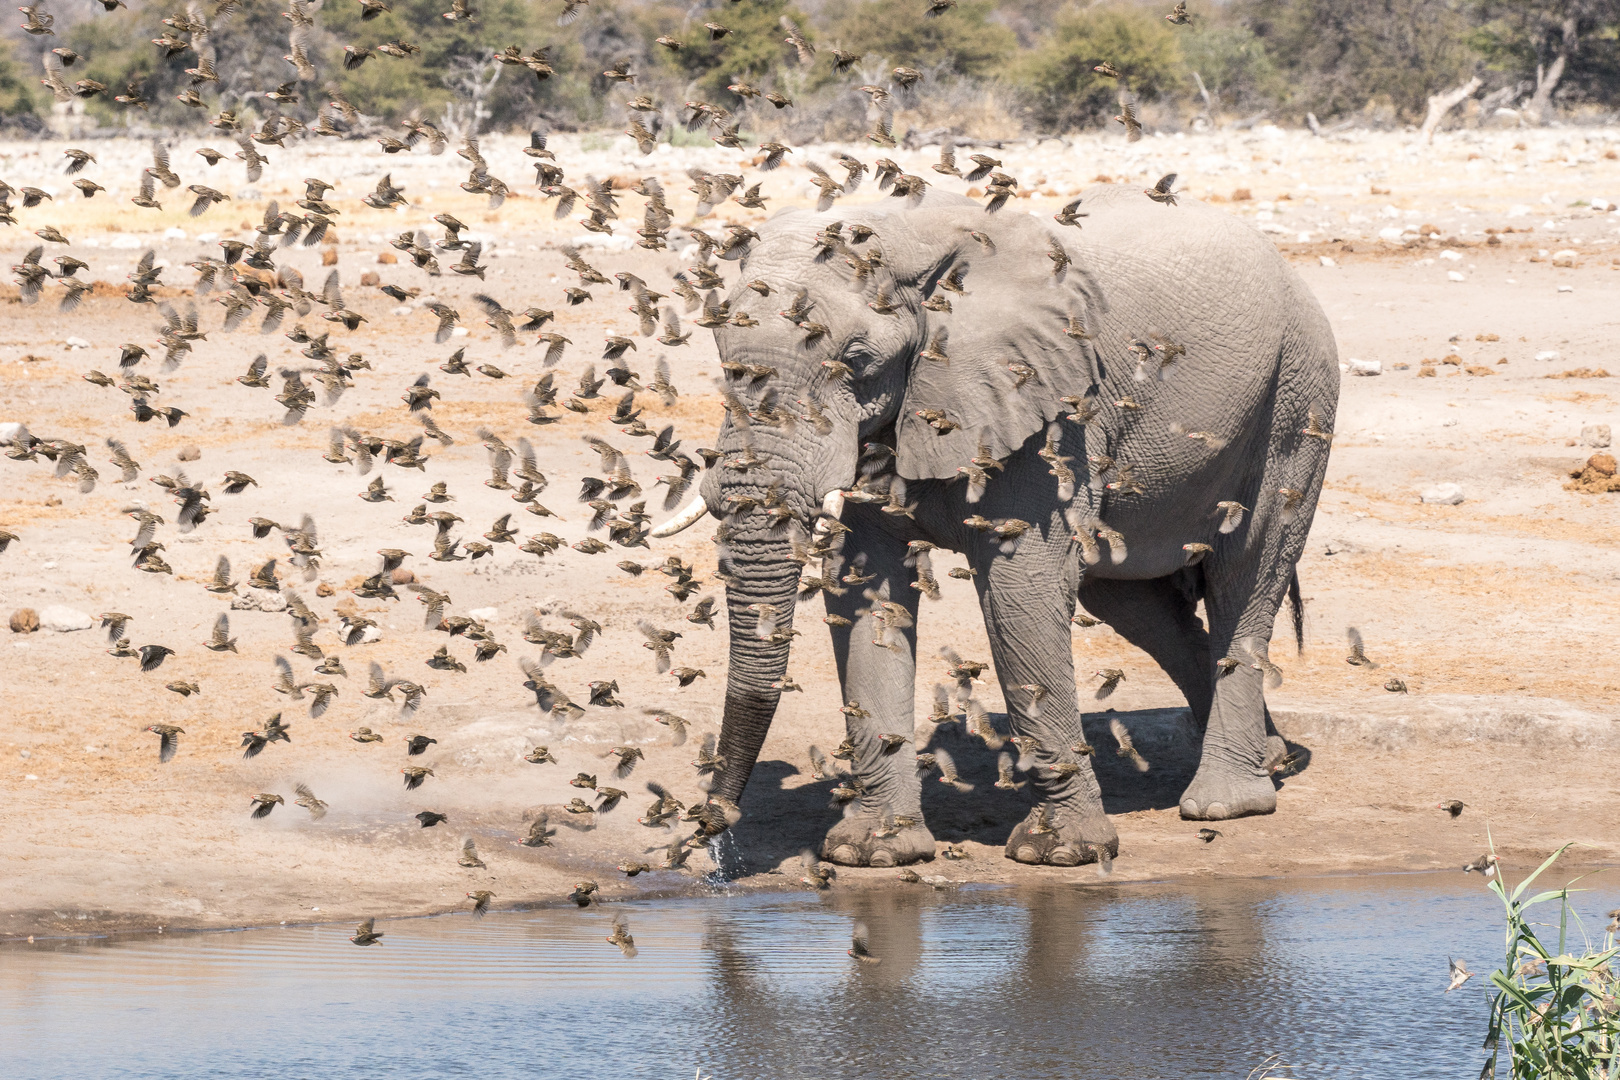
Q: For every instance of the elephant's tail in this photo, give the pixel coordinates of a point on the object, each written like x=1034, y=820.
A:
x=1298, y=605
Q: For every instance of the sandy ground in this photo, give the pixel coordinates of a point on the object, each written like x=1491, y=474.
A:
x=1500, y=614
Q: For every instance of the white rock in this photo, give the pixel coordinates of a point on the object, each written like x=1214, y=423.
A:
x=460, y=331
x=1366, y=367
x=1549, y=354
x=1566, y=288
x=1595, y=435
x=1450, y=256
x=174, y=233
x=260, y=600
x=485, y=614
x=1391, y=233
x=1566, y=257
x=1444, y=495
x=1601, y=204
x=1326, y=260
x=1519, y=210
x=62, y=619
x=1390, y=212
x=75, y=343
x=11, y=431
x=127, y=243
x=1454, y=275
x=403, y=309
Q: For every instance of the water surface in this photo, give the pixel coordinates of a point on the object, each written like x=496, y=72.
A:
x=1343, y=977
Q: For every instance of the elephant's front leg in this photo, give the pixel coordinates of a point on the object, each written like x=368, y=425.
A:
x=1028, y=599
x=877, y=667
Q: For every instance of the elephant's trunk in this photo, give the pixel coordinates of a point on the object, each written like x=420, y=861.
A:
x=764, y=574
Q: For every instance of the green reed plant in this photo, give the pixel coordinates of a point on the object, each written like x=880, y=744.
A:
x=1555, y=1008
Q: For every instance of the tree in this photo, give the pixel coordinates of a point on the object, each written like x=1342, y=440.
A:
x=1337, y=55
x=1568, y=47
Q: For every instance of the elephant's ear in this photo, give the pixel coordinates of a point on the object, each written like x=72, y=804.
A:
x=1007, y=326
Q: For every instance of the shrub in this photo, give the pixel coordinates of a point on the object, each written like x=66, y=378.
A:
x=963, y=41
x=1066, y=92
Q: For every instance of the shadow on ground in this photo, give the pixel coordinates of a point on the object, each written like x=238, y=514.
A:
x=781, y=821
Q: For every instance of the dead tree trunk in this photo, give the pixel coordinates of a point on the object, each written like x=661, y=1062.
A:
x=1540, y=105
x=1440, y=104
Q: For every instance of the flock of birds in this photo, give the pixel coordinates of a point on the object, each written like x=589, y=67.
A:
x=247, y=282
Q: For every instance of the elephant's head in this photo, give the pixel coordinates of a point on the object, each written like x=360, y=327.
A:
x=813, y=388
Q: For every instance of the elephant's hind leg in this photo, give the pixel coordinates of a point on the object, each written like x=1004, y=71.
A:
x=1159, y=617
x=878, y=683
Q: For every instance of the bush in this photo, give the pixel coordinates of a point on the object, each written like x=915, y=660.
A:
x=1067, y=93
x=1236, y=69
x=963, y=41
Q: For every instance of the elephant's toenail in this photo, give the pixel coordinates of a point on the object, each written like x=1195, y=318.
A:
x=1027, y=853
x=845, y=855
x=881, y=857
x=1064, y=856
x=1189, y=809
x=1217, y=811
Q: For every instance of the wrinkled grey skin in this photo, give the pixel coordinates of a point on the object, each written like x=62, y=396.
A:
x=1260, y=355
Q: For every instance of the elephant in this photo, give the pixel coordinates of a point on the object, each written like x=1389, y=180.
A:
x=1133, y=415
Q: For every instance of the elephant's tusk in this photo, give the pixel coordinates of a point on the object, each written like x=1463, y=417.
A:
x=685, y=518
x=831, y=507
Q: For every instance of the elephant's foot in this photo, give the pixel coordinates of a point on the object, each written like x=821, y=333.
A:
x=852, y=842
x=1218, y=793
x=1073, y=836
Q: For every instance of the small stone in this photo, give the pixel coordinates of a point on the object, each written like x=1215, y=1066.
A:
x=489, y=614
x=61, y=619
x=371, y=279
x=1565, y=258
x=1566, y=288
x=1443, y=495
x=329, y=257
x=1366, y=367
x=323, y=589
x=402, y=575
x=1326, y=260
x=189, y=452
x=1451, y=256
x=75, y=343
x=387, y=258
x=26, y=620
x=1593, y=435
x=1455, y=275
x=1549, y=354
x=260, y=600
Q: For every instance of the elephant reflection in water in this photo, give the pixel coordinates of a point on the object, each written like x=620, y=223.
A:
x=1134, y=415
